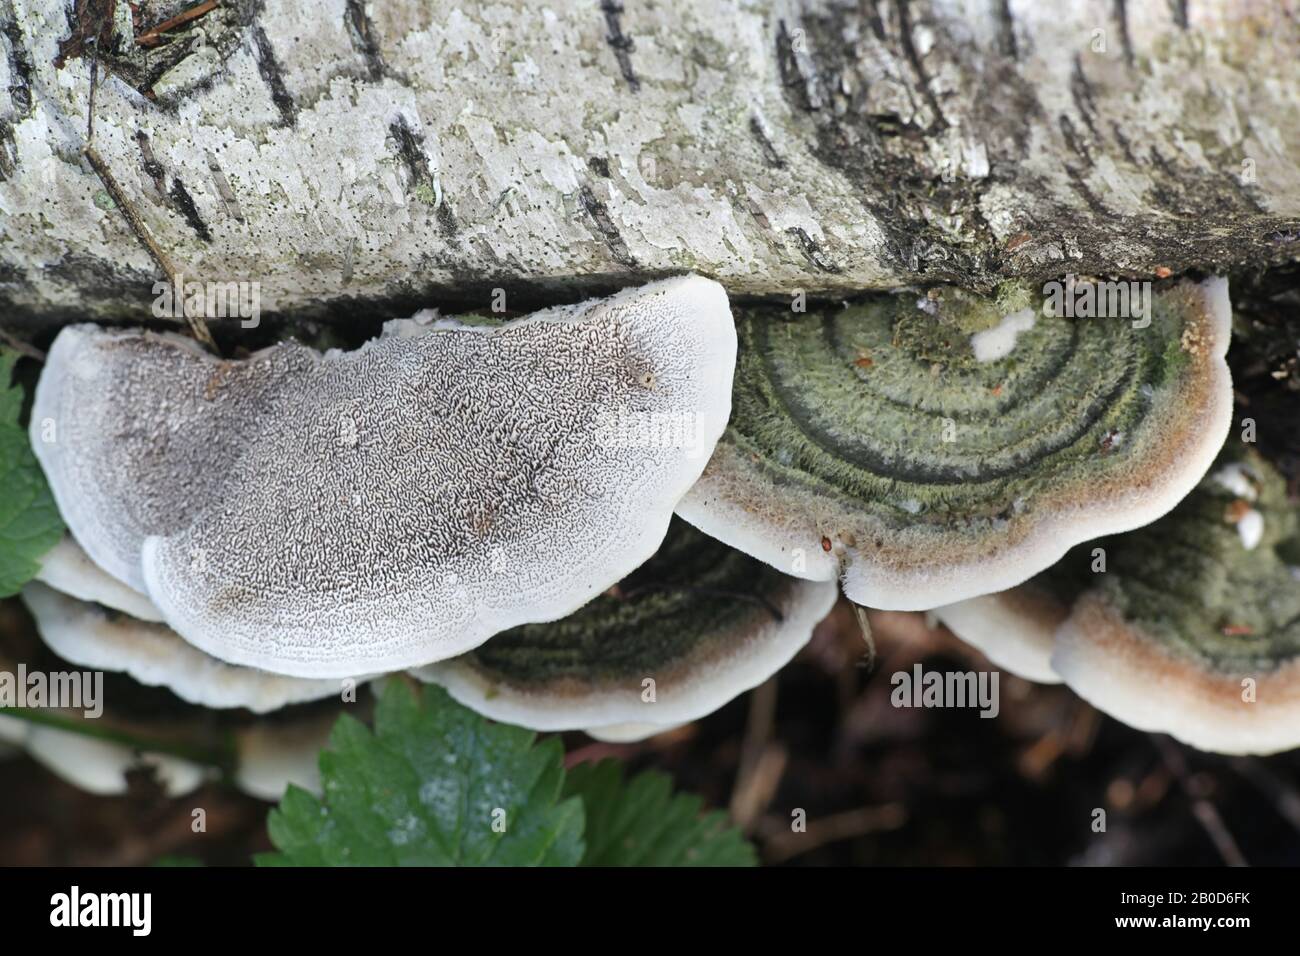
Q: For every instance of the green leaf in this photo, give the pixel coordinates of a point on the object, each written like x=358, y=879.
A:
x=29, y=520
x=641, y=822
x=11, y=396
x=427, y=788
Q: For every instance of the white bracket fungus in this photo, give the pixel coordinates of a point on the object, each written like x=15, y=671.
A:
x=89, y=636
x=94, y=765
x=1014, y=629
x=66, y=568
x=358, y=512
x=273, y=756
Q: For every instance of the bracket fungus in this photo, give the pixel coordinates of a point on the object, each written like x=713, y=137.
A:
x=67, y=569
x=267, y=758
x=181, y=746
x=1014, y=628
x=90, y=635
x=1189, y=626
x=627, y=733
x=273, y=756
x=694, y=627
x=97, y=766
x=873, y=444
x=1194, y=629
x=358, y=512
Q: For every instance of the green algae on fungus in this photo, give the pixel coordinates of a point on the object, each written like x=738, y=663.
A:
x=873, y=443
x=700, y=620
x=1194, y=629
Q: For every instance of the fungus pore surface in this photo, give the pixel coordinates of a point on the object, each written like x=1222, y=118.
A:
x=358, y=512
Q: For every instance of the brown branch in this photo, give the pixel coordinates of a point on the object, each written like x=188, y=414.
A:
x=154, y=35
x=762, y=760
x=1206, y=813
x=21, y=347
x=198, y=327
x=1283, y=794
x=784, y=844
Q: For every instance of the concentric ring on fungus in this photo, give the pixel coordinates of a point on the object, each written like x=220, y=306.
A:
x=701, y=620
x=936, y=449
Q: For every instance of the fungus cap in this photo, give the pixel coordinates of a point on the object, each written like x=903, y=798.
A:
x=1192, y=632
x=98, y=766
x=628, y=733
x=67, y=568
x=870, y=443
x=699, y=624
x=1014, y=629
x=359, y=512
x=273, y=756
x=89, y=636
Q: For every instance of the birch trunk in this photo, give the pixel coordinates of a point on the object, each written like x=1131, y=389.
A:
x=367, y=158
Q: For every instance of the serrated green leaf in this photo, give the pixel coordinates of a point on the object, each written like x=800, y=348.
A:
x=425, y=788
x=641, y=823
x=29, y=520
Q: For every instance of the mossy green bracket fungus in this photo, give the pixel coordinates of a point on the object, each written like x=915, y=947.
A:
x=359, y=512
x=1194, y=629
x=695, y=626
x=1188, y=626
x=929, y=450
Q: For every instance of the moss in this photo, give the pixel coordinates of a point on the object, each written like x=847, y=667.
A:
x=1013, y=296
x=1173, y=361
